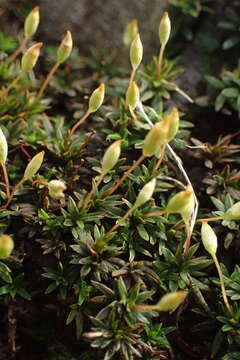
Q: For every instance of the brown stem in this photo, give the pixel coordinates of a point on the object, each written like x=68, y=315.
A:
x=39, y=182
x=132, y=76
x=13, y=193
x=125, y=175
x=74, y=128
x=46, y=81
x=88, y=198
x=188, y=240
x=4, y=92
x=116, y=226
x=24, y=151
x=210, y=219
x=17, y=51
x=179, y=247
x=145, y=307
x=222, y=284
x=179, y=227
x=5, y=175
x=159, y=161
x=155, y=213
x=160, y=58
x=202, y=220
x=102, y=241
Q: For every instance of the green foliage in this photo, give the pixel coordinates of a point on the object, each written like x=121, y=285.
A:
x=232, y=282
x=117, y=325
x=228, y=90
x=222, y=207
x=160, y=89
x=176, y=273
x=156, y=335
x=191, y=7
x=17, y=287
x=230, y=26
x=187, y=16
x=62, y=280
x=89, y=265
x=7, y=43
x=5, y=273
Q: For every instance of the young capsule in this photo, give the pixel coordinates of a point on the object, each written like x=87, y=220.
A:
x=136, y=52
x=96, y=99
x=56, y=188
x=155, y=139
x=6, y=246
x=130, y=32
x=33, y=166
x=233, y=213
x=145, y=193
x=30, y=57
x=111, y=156
x=209, y=238
x=65, y=48
x=3, y=148
x=182, y=203
x=31, y=22
x=164, y=29
x=173, y=124
x=132, y=95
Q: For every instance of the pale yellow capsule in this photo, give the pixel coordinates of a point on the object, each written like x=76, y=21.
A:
x=171, y=301
x=96, y=99
x=136, y=52
x=130, y=32
x=55, y=189
x=6, y=246
x=111, y=156
x=33, y=166
x=65, y=48
x=209, y=238
x=145, y=193
x=173, y=124
x=31, y=22
x=182, y=203
x=168, y=302
x=3, y=148
x=155, y=139
x=132, y=95
x=164, y=29
x=233, y=213
x=30, y=57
